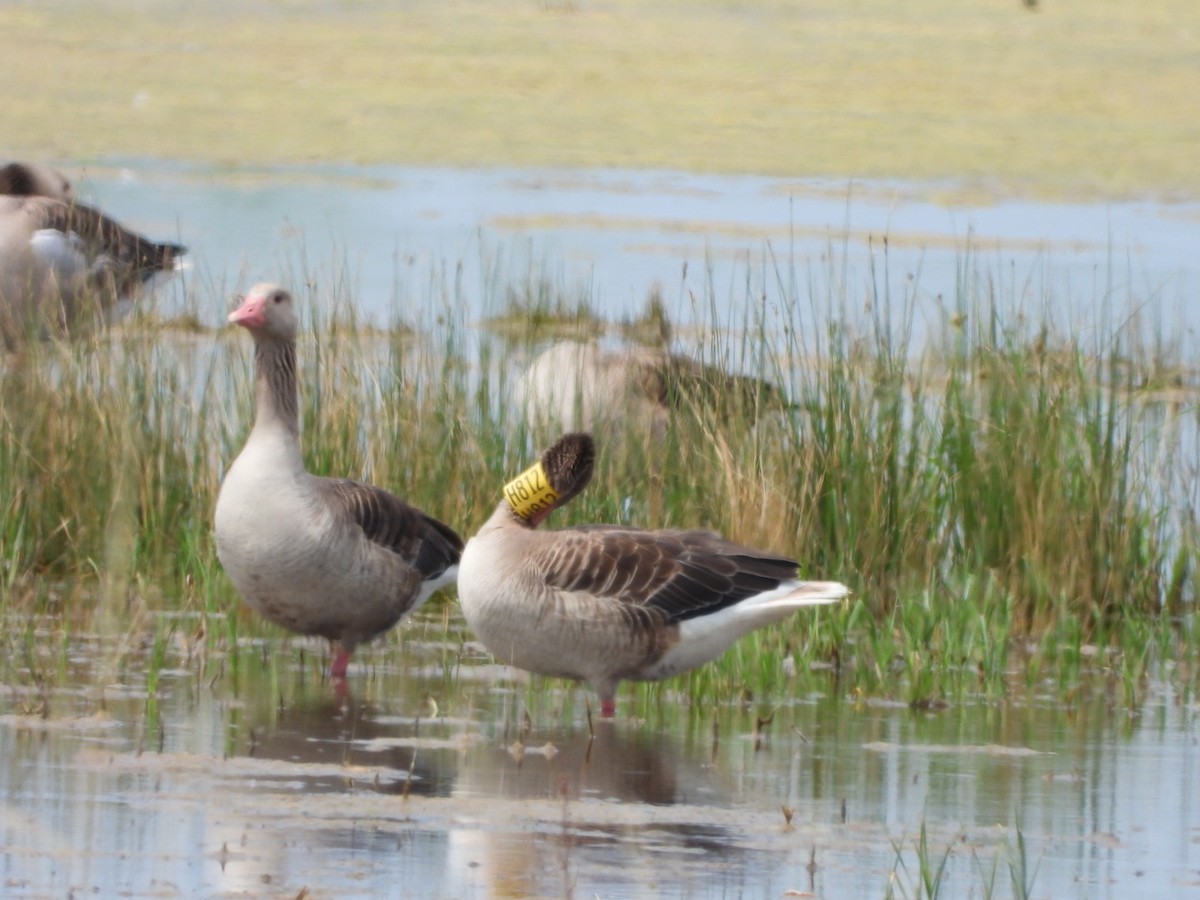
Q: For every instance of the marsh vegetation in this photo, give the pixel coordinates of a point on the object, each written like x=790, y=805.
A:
x=1012, y=505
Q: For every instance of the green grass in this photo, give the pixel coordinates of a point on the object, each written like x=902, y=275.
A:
x=1074, y=98
x=1002, y=499
x=923, y=870
x=927, y=881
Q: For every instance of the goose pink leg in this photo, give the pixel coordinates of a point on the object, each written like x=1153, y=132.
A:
x=341, y=662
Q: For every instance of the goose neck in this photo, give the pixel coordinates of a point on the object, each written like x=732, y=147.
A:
x=277, y=393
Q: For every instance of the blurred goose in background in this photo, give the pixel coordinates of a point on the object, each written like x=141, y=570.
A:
x=26, y=179
x=571, y=386
x=65, y=266
x=320, y=556
x=605, y=603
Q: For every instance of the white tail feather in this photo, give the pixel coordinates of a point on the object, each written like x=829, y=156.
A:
x=704, y=638
x=795, y=594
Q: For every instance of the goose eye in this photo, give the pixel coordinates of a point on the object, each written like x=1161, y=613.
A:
x=279, y=298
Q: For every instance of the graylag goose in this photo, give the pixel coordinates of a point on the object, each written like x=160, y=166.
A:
x=64, y=265
x=605, y=603
x=320, y=556
x=574, y=386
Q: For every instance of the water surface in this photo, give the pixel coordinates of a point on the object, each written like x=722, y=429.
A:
x=725, y=250
x=259, y=777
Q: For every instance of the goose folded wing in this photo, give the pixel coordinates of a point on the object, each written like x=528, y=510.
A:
x=428, y=545
x=668, y=575
x=127, y=253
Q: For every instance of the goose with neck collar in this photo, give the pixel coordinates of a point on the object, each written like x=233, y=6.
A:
x=608, y=603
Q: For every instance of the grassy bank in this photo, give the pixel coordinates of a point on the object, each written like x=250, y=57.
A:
x=1068, y=98
x=1013, y=507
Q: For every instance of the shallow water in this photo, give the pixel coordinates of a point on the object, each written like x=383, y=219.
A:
x=723, y=250
x=437, y=774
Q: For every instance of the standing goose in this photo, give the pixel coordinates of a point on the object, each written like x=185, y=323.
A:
x=603, y=603
x=63, y=264
x=320, y=556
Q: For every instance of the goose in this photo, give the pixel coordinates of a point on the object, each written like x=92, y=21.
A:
x=62, y=262
x=320, y=556
x=581, y=386
x=606, y=603
x=26, y=179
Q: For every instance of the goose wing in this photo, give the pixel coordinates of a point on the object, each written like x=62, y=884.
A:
x=667, y=575
x=129, y=255
x=426, y=544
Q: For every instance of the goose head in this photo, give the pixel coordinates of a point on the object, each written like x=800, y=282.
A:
x=560, y=475
x=25, y=179
x=267, y=312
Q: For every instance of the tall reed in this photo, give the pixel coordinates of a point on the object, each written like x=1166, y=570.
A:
x=980, y=486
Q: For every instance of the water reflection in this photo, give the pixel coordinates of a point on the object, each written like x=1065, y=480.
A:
x=612, y=765
x=334, y=745
x=595, y=836
x=351, y=747
x=274, y=784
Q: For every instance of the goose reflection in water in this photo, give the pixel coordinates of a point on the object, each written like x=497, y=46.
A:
x=614, y=765
x=339, y=744
x=596, y=796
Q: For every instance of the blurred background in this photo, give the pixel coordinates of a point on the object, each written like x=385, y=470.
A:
x=608, y=144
